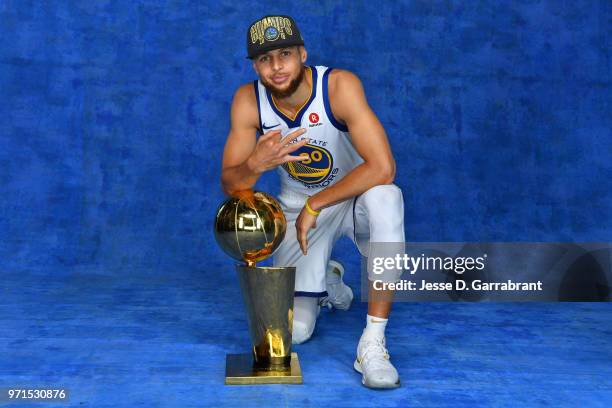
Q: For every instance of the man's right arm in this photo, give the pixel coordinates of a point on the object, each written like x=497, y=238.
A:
x=236, y=173
x=245, y=158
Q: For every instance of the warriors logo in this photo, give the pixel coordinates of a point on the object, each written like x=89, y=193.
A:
x=271, y=33
x=315, y=169
x=270, y=29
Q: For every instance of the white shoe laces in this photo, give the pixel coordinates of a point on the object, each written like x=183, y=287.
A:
x=374, y=354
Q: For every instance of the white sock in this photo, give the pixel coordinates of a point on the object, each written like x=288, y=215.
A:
x=375, y=326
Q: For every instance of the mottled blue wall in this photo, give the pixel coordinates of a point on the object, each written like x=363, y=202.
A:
x=113, y=116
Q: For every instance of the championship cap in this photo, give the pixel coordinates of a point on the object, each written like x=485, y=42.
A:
x=270, y=33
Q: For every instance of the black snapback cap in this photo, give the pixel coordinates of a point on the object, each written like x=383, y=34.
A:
x=270, y=33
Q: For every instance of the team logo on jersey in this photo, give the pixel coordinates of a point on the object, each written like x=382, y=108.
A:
x=315, y=169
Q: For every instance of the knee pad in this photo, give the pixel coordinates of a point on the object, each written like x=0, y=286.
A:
x=385, y=207
x=382, y=197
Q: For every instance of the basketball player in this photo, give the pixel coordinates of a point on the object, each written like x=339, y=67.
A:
x=336, y=170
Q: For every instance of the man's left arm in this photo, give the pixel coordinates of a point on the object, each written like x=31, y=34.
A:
x=349, y=105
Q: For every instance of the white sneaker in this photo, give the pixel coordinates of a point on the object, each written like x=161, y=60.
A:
x=373, y=362
x=339, y=295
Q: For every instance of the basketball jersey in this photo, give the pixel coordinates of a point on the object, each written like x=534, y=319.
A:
x=330, y=153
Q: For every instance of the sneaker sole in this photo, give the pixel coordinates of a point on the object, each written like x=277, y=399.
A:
x=357, y=368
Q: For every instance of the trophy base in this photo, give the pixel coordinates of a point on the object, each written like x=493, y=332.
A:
x=239, y=370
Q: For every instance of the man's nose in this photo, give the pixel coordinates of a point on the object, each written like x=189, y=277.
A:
x=276, y=64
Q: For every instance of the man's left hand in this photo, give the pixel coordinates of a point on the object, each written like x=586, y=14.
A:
x=305, y=221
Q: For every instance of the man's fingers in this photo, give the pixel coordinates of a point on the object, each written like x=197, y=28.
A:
x=291, y=136
x=301, y=236
x=271, y=134
x=289, y=158
x=294, y=146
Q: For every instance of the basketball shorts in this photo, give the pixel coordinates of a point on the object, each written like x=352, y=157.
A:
x=377, y=215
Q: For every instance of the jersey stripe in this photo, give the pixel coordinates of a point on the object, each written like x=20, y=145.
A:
x=258, y=107
x=330, y=115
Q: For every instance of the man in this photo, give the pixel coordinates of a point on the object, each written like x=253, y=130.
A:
x=336, y=170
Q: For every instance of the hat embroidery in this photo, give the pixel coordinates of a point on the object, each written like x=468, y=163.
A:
x=271, y=33
x=270, y=29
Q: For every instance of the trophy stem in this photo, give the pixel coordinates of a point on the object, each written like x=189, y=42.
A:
x=268, y=294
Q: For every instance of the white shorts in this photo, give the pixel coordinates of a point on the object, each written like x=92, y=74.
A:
x=377, y=215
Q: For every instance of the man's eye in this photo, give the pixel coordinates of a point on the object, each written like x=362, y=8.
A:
x=263, y=59
x=285, y=53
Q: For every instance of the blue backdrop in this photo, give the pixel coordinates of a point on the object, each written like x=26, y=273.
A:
x=114, y=114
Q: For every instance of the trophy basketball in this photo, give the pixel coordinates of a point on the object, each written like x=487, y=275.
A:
x=249, y=227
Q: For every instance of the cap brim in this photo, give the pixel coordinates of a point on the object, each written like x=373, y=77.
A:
x=274, y=47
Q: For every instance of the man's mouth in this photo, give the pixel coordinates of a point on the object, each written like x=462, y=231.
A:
x=279, y=79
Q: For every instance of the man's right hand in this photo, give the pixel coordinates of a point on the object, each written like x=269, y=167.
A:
x=273, y=150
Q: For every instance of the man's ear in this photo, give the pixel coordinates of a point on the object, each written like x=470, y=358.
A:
x=255, y=67
x=303, y=53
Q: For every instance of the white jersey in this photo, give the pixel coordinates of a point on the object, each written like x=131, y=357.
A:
x=331, y=154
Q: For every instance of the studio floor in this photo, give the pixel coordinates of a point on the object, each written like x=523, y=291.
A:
x=144, y=339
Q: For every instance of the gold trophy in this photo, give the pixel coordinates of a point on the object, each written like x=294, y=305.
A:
x=249, y=227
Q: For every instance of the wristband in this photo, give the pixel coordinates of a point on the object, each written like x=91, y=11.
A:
x=310, y=210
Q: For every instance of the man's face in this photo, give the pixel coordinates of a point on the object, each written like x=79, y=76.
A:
x=281, y=71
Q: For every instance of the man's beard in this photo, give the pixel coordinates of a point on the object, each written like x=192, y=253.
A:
x=293, y=85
